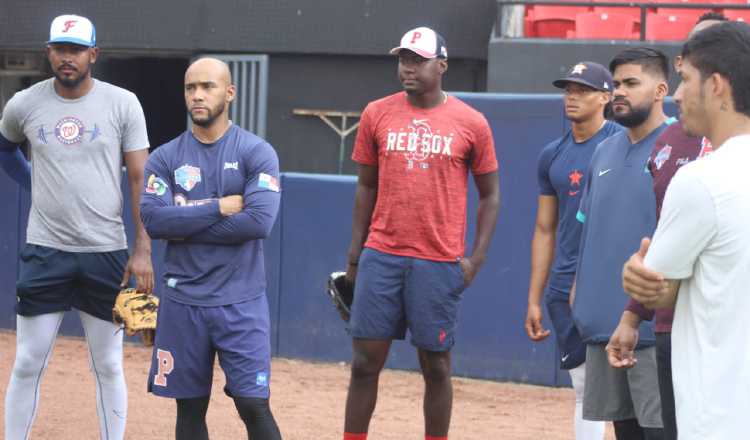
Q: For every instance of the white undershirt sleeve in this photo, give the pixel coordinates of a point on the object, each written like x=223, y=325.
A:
x=686, y=227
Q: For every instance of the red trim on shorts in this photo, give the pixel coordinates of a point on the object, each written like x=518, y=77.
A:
x=351, y=436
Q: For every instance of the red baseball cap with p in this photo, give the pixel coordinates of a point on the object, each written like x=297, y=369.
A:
x=72, y=29
x=424, y=42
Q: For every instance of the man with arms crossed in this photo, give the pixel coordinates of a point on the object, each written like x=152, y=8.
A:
x=554, y=248
x=80, y=130
x=213, y=193
x=702, y=245
x=673, y=149
x=415, y=149
x=616, y=210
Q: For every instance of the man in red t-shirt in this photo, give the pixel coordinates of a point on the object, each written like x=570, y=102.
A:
x=414, y=150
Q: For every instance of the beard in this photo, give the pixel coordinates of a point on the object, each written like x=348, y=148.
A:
x=71, y=83
x=210, y=117
x=635, y=117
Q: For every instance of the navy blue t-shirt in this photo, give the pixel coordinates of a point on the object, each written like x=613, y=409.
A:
x=617, y=209
x=561, y=173
x=212, y=260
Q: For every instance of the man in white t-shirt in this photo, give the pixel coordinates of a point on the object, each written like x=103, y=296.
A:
x=701, y=247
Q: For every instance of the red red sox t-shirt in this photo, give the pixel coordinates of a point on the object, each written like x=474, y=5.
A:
x=423, y=157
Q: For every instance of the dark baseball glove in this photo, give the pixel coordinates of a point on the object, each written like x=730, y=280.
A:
x=136, y=312
x=341, y=292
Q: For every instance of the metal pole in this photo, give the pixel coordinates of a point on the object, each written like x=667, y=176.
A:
x=342, y=145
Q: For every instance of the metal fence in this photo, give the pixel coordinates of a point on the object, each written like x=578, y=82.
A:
x=250, y=76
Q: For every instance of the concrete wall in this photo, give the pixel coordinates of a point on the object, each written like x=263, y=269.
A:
x=352, y=27
x=530, y=66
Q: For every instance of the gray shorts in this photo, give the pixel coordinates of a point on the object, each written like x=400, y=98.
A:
x=613, y=394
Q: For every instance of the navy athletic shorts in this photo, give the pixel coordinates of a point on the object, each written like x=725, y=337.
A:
x=189, y=337
x=394, y=293
x=51, y=280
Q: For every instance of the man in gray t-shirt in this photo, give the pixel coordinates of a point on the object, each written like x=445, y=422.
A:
x=80, y=133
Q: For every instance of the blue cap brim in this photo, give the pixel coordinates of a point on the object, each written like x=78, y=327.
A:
x=70, y=40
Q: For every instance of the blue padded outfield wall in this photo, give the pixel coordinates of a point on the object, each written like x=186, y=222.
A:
x=311, y=238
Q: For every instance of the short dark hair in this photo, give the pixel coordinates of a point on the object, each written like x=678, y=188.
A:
x=724, y=49
x=718, y=16
x=651, y=60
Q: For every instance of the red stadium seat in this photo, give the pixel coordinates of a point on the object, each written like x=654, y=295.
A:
x=634, y=13
x=597, y=25
x=672, y=27
x=685, y=12
x=552, y=21
x=738, y=14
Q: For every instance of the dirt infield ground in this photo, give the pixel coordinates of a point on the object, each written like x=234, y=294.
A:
x=307, y=400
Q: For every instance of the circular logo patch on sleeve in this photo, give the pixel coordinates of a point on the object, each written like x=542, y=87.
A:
x=156, y=185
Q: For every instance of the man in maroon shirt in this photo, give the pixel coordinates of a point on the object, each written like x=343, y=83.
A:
x=673, y=149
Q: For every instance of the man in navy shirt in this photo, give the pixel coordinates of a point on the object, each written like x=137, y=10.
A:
x=213, y=193
x=617, y=209
x=554, y=249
